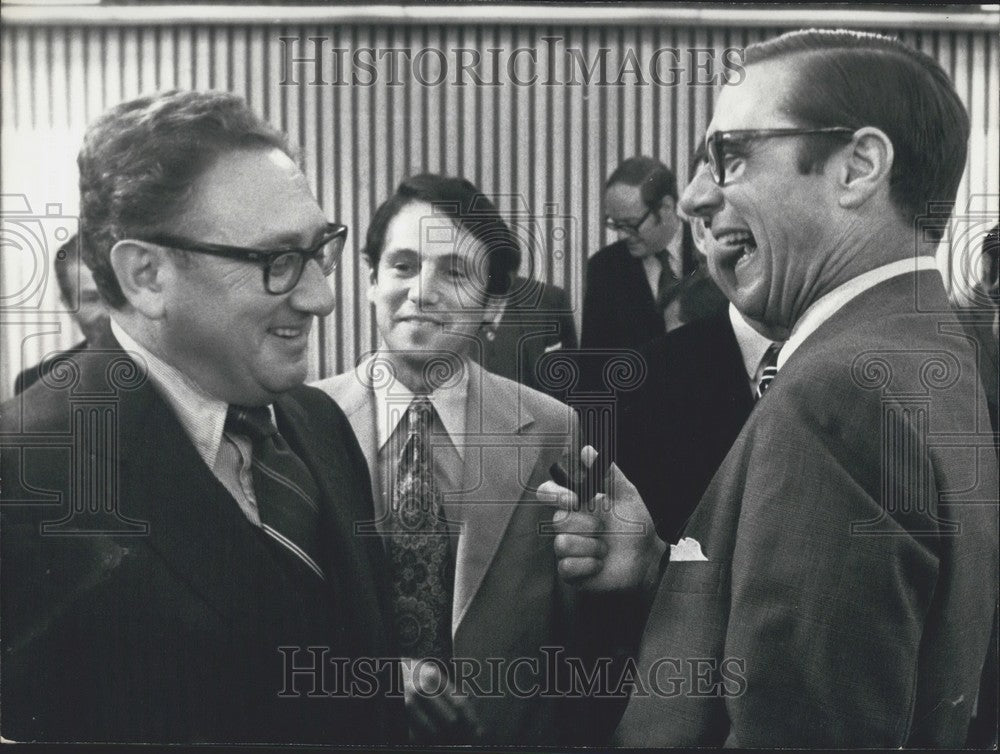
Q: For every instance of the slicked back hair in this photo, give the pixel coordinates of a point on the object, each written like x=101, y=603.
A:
x=857, y=79
x=468, y=208
x=141, y=159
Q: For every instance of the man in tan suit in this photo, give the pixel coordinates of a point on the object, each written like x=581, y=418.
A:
x=456, y=454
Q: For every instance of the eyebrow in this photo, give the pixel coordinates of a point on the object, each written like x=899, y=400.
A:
x=290, y=240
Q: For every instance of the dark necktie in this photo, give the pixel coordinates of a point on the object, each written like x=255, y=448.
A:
x=286, y=492
x=768, y=368
x=418, y=547
x=666, y=286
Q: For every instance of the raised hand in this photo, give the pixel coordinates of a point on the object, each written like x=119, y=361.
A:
x=607, y=543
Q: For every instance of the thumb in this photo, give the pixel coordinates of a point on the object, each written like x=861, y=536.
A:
x=588, y=455
x=617, y=485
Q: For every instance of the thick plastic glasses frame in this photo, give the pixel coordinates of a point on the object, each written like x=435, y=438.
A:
x=715, y=144
x=626, y=227
x=334, y=235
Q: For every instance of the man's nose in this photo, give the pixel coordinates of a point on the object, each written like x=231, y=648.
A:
x=702, y=197
x=313, y=293
x=425, y=288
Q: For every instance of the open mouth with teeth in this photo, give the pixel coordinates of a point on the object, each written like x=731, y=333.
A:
x=736, y=247
x=288, y=333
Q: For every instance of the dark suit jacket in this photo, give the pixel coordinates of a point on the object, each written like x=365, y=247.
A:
x=674, y=430
x=838, y=606
x=538, y=320
x=619, y=310
x=33, y=374
x=174, y=633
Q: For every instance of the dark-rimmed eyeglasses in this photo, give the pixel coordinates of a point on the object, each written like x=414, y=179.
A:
x=282, y=267
x=717, y=143
x=623, y=227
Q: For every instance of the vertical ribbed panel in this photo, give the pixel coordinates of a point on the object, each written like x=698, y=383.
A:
x=544, y=149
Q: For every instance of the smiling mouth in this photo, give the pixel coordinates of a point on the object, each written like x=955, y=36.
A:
x=736, y=247
x=289, y=333
x=419, y=320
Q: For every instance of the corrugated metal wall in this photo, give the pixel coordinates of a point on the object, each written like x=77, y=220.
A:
x=548, y=147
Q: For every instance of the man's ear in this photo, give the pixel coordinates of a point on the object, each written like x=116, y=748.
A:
x=144, y=272
x=865, y=168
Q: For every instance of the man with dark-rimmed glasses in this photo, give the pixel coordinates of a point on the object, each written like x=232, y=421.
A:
x=650, y=280
x=836, y=585
x=214, y=502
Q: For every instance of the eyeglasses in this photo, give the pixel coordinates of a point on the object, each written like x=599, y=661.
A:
x=717, y=144
x=282, y=267
x=624, y=227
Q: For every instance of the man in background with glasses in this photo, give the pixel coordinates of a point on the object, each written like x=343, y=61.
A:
x=649, y=281
x=836, y=585
x=213, y=523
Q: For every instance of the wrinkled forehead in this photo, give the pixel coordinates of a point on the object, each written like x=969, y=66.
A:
x=759, y=101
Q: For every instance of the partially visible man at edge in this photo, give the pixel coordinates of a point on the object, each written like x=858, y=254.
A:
x=836, y=591
x=78, y=293
x=224, y=546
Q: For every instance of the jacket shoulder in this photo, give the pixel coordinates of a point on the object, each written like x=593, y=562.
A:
x=545, y=409
x=608, y=257
x=338, y=386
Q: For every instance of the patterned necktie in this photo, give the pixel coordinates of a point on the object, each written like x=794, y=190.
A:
x=768, y=368
x=666, y=286
x=286, y=492
x=418, y=547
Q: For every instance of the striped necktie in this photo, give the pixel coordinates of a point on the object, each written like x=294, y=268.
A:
x=286, y=492
x=768, y=368
x=417, y=544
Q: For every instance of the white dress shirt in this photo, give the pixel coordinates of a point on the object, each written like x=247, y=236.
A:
x=652, y=265
x=203, y=419
x=752, y=345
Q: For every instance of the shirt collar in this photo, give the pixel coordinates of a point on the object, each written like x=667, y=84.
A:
x=201, y=416
x=392, y=398
x=675, y=248
x=826, y=306
x=752, y=344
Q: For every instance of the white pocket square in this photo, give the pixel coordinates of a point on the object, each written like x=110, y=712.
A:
x=553, y=347
x=687, y=549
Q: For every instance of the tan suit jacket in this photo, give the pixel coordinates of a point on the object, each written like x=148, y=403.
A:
x=508, y=600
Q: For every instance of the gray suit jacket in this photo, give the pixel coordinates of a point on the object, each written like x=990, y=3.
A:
x=851, y=537
x=508, y=600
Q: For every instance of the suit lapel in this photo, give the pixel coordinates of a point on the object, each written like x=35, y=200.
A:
x=636, y=289
x=357, y=401
x=492, y=476
x=194, y=523
x=343, y=507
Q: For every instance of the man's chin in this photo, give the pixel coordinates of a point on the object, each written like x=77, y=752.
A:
x=282, y=380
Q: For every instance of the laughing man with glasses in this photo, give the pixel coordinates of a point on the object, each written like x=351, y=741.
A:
x=836, y=585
